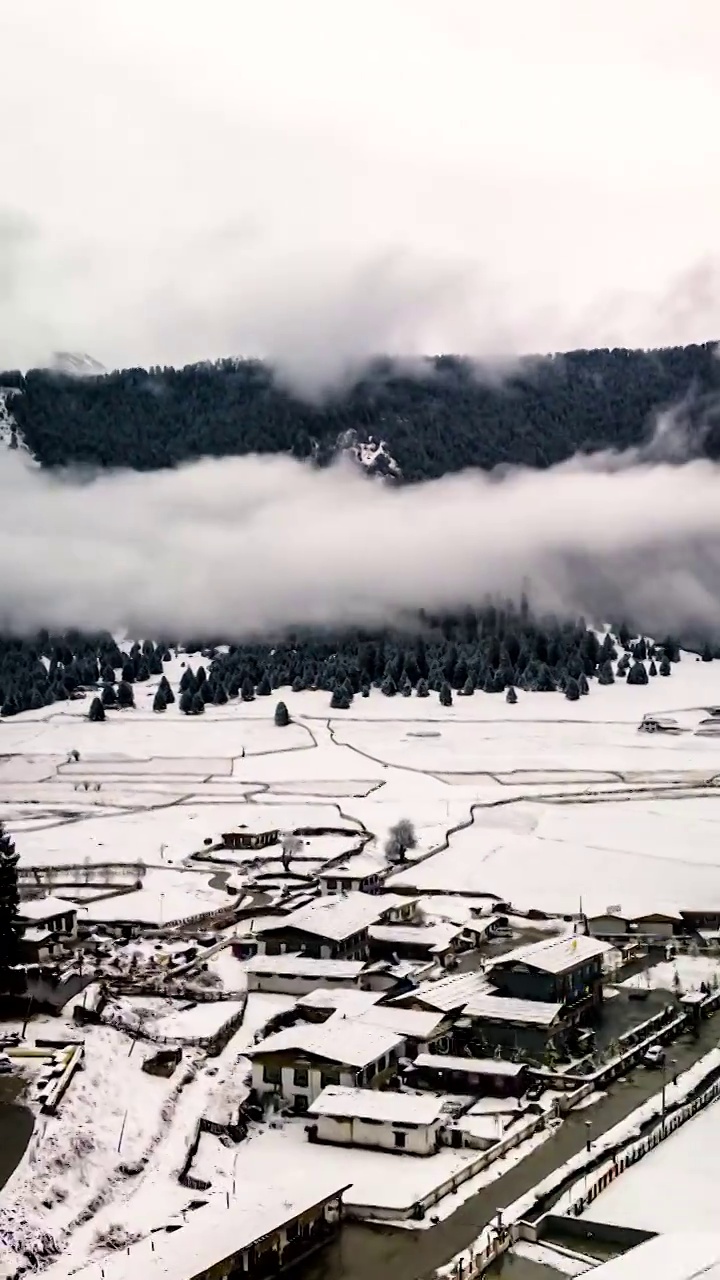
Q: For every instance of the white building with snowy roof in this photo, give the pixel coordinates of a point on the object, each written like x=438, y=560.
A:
x=298, y=1063
x=256, y=1236
x=387, y=1121
x=333, y=928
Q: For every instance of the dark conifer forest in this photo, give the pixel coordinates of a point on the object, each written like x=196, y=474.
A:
x=445, y=420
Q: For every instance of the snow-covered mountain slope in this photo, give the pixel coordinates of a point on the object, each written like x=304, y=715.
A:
x=77, y=364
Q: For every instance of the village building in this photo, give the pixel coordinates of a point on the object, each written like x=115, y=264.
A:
x=38, y=945
x=617, y=925
x=435, y=941
x=298, y=1063
x=394, y=977
x=322, y=1002
x=361, y=874
x=299, y=974
x=332, y=928
x=448, y=995
x=386, y=1121
x=56, y=915
x=490, y=1021
x=484, y=1076
x=421, y=1031
x=565, y=971
x=255, y=1237
x=243, y=838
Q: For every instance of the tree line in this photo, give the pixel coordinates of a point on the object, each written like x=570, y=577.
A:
x=444, y=419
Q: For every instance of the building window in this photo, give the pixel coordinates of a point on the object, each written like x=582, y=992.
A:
x=300, y=1077
x=400, y=1139
x=272, y=947
x=331, y=884
x=272, y=1074
x=329, y=1076
x=301, y=1103
x=382, y=1063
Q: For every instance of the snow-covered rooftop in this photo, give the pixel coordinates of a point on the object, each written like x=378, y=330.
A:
x=556, y=955
x=406, y=1022
x=472, y=1066
x=37, y=934
x=349, y=1041
x=212, y=1236
x=533, y=1013
x=306, y=967
x=41, y=909
x=451, y=993
x=363, y=864
x=338, y=917
x=673, y=1255
x=344, y=1000
x=372, y=1104
x=436, y=936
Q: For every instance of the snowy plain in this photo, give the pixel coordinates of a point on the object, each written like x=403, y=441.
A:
x=569, y=801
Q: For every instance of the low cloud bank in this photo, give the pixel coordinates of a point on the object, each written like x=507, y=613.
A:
x=255, y=544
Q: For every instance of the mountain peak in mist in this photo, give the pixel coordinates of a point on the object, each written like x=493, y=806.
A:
x=76, y=364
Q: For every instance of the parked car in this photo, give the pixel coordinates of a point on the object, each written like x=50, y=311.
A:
x=655, y=1057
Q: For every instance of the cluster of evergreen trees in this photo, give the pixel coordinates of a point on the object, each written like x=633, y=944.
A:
x=495, y=649
x=444, y=421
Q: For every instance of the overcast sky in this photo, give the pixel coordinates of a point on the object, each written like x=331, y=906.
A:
x=320, y=179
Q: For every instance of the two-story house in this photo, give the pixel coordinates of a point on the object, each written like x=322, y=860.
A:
x=561, y=971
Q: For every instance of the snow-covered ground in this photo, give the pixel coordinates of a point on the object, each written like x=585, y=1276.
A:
x=568, y=799
x=675, y=1183
x=682, y=974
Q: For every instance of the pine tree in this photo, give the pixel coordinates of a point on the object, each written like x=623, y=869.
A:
x=109, y=696
x=247, y=690
x=10, y=930
x=282, y=716
x=445, y=695
x=637, y=674
x=97, y=710
x=665, y=668
x=339, y=700
x=583, y=685
x=159, y=701
x=167, y=692
x=126, y=697
x=653, y=669
x=511, y=696
x=198, y=704
x=707, y=653
x=388, y=686
x=186, y=701
x=264, y=688
x=605, y=674
x=422, y=690
x=572, y=689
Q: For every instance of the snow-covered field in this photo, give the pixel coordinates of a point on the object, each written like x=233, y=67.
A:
x=568, y=801
x=677, y=1182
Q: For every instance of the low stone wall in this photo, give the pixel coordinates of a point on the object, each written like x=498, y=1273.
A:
x=484, y=1159
x=212, y=1044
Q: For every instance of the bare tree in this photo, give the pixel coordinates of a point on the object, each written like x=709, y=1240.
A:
x=400, y=838
x=291, y=846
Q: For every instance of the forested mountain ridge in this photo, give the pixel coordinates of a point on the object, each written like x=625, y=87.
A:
x=445, y=420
